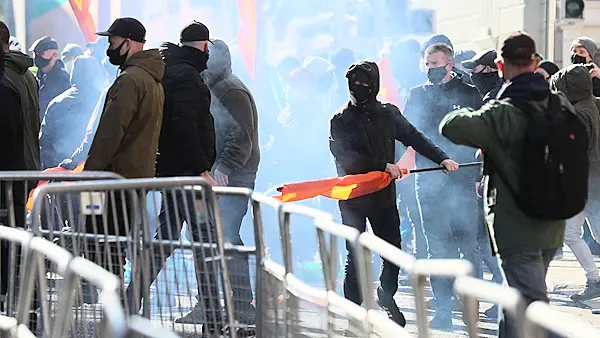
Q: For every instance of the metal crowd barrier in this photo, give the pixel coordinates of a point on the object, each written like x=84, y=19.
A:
x=471, y=289
x=42, y=258
x=418, y=269
x=337, y=316
x=116, y=221
x=16, y=187
x=541, y=318
x=10, y=328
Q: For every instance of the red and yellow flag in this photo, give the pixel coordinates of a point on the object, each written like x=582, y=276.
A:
x=81, y=9
x=388, y=91
x=78, y=169
x=247, y=37
x=347, y=187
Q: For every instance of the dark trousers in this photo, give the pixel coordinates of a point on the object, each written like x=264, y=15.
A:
x=233, y=209
x=174, y=211
x=526, y=272
x=451, y=229
x=385, y=224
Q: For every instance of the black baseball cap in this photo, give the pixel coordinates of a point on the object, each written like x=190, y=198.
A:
x=518, y=46
x=483, y=58
x=43, y=44
x=128, y=28
x=194, y=31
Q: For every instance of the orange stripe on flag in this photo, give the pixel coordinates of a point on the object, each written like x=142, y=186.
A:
x=389, y=89
x=347, y=187
x=81, y=9
x=247, y=33
x=78, y=169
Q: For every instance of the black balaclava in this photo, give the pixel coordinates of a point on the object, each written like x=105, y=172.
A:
x=485, y=82
x=360, y=95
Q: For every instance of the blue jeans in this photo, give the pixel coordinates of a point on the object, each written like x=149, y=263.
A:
x=175, y=210
x=451, y=228
x=485, y=248
x=233, y=209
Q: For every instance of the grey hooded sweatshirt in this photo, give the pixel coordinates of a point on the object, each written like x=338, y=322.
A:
x=236, y=117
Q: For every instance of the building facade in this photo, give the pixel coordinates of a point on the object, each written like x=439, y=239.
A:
x=479, y=24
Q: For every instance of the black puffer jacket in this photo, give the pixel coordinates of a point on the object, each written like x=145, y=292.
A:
x=426, y=106
x=187, y=138
x=236, y=117
x=363, y=138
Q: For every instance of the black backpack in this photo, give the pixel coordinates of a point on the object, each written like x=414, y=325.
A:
x=553, y=181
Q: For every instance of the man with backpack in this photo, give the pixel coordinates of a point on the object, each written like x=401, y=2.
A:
x=536, y=163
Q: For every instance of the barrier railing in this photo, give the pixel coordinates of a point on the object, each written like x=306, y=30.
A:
x=115, y=223
x=419, y=271
x=14, y=202
x=10, y=328
x=541, y=318
x=471, y=290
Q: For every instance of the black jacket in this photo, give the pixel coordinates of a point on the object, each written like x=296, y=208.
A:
x=187, y=138
x=236, y=117
x=52, y=84
x=17, y=71
x=425, y=108
x=596, y=86
x=364, y=140
x=12, y=153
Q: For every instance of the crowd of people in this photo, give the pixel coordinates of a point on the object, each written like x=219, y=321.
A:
x=179, y=110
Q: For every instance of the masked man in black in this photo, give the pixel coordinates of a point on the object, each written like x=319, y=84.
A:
x=362, y=139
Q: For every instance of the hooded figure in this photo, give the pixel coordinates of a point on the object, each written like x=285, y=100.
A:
x=64, y=124
x=236, y=117
x=362, y=135
x=576, y=83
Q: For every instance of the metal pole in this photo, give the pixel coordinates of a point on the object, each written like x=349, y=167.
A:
x=20, y=15
x=550, y=28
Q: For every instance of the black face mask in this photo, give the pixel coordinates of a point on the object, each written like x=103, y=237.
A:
x=436, y=75
x=199, y=58
x=115, y=57
x=577, y=59
x=361, y=94
x=40, y=62
x=485, y=81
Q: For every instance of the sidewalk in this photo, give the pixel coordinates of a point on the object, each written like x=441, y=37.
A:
x=566, y=277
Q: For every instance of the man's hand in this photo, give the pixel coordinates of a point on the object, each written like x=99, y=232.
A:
x=393, y=170
x=595, y=72
x=449, y=165
x=222, y=179
x=207, y=177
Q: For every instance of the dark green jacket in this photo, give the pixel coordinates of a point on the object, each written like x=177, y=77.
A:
x=499, y=129
x=17, y=70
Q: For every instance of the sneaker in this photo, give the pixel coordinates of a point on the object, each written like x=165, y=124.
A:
x=441, y=321
x=591, y=291
x=393, y=312
x=195, y=316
